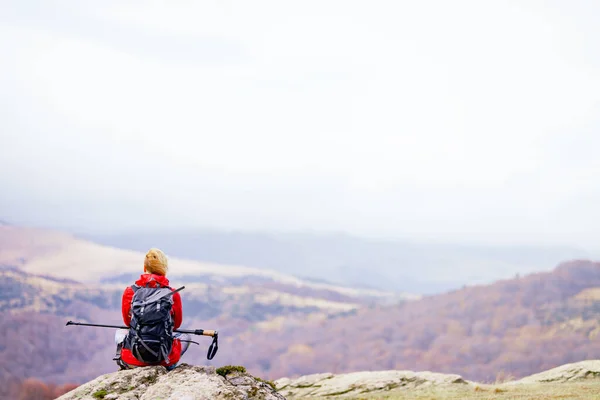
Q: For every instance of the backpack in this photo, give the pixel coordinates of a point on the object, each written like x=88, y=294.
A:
x=150, y=336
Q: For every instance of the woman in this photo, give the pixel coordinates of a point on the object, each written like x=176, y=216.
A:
x=155, y=271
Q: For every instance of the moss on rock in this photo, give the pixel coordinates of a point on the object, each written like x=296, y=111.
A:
x=228, y=369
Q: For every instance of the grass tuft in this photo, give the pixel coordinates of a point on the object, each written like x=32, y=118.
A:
x=228, y=369
x=270, y=383
x=100, y=394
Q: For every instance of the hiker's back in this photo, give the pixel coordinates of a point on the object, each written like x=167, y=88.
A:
x=150, y=336
x=152, y=310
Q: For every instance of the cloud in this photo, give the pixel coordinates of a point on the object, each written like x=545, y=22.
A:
x=434, y=119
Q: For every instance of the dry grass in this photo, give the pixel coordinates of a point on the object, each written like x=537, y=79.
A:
x=563, y=391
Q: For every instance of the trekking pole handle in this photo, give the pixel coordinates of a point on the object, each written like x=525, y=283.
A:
x=203, y=332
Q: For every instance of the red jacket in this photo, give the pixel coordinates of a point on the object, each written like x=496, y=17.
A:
x=177, y=312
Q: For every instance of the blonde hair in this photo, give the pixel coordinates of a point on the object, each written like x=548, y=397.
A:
x=156, y=262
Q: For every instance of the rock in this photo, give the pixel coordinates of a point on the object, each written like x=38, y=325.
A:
x=565, y=373
x=362, y=382
x=183, y=383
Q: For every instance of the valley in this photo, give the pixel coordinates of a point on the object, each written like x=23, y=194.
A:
x=278, y=325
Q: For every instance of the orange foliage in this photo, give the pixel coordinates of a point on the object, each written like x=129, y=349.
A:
x=519, y=326
x=33, y=389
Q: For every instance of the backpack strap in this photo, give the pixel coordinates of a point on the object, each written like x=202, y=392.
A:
x=145, y=345
x=135, y=288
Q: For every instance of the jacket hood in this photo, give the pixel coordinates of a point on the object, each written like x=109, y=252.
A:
x=152, y=280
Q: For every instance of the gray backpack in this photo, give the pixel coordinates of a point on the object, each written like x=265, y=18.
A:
x=150, y=336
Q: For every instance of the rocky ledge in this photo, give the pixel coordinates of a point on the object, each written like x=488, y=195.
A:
x=578, y=371
x=353, y=384
x=203, y=383
x=183, y=383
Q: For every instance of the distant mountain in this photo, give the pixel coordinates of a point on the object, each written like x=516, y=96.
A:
x=60, y=255
x=353, y=261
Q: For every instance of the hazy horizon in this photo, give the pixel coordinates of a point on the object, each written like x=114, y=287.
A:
x=462, y=122
x=91, y=232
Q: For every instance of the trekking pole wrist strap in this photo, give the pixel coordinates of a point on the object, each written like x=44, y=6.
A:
x=213, y=348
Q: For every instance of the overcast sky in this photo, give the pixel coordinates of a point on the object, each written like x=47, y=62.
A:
x=439, y=120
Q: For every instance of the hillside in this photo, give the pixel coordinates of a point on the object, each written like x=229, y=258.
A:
x=37, y=298
x=35, y=308
x=277, y=325
x=511, y=328
x=395, y=265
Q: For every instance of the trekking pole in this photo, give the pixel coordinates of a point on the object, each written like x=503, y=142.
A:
x=212, y=349
x=97, y=325
x=214, y=346
x=203, y=332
